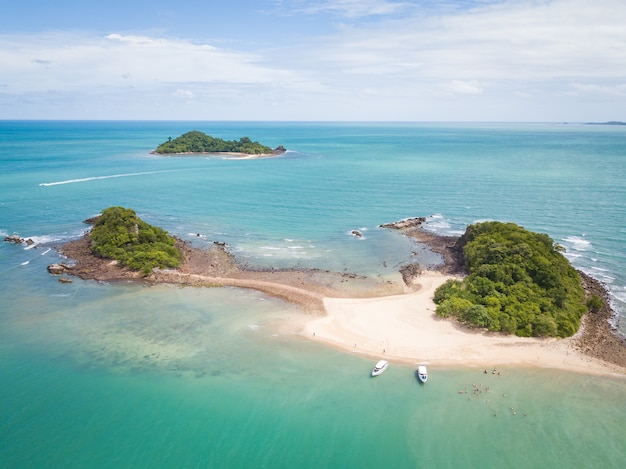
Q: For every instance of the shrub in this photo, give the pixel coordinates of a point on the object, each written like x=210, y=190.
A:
x=595, y=303
x=121, y=235
x=454, y=306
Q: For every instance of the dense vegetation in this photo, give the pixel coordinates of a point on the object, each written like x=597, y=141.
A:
x=518, y=282
x=121, y=235
x=199, y=142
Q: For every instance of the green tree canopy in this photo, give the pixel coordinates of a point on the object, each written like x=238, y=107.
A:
x=518, y=282
x=121, y=235
x=199, y=142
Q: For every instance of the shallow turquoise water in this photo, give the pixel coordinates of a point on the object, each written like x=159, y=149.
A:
x=97, y=375
x=310, y=407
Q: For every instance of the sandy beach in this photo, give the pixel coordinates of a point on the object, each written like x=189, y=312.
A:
x=404, y=328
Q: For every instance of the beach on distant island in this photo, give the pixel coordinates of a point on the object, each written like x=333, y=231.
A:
x=387, y=319
x=225, y=154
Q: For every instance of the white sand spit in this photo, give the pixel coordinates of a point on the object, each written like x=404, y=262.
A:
x=405, y=328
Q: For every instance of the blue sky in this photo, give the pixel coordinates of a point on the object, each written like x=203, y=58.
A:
x=380, y=60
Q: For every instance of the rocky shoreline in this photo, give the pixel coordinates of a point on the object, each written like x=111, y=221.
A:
x=216, y=266
x=597, y=336
x=446, y=246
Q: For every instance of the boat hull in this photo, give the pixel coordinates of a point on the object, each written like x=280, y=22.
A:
x=422, y=373
x=380, y=368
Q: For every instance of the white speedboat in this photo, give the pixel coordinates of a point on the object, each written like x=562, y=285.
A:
x=422, y=373
x=380, y=367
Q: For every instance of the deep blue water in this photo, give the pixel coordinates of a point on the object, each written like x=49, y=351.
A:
x=95, y=375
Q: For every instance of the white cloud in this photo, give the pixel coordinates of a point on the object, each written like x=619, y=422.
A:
x=519, y=59
x=511, y=41
x=186, y=94
x=464, y=87
x=594, y=89
x=63, y=62
x=348, y=8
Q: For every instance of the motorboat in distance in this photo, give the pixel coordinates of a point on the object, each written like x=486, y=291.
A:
x=380, y=367
x=422, y=373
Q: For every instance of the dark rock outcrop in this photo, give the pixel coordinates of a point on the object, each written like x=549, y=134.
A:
x=92, y=220
x=405, y=224
x=59, y=269
x=15, y=239
x=446, y=246
x=410, y=272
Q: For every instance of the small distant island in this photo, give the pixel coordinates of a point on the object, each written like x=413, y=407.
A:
x=607, y=123
x=196, y=142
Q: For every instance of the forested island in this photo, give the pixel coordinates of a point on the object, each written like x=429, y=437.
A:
x=517, y=282
x=119, y=234
x=510, y=280
x=199, y=142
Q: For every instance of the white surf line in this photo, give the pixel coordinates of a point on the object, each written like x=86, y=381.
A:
x=41, y=254
x=71, y=181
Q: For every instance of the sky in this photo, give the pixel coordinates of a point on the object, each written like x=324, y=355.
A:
x=314, y=60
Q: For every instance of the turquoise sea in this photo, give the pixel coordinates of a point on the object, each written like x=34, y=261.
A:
x=123, y=375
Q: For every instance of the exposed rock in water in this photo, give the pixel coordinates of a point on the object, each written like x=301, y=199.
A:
x=446, y=246
x=356, y=233
x=15, y=239
x=404, y=224
x=59, y=269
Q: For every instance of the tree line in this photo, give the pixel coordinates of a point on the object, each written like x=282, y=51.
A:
x=199, y=142
x=518, y=282
x=121, y=235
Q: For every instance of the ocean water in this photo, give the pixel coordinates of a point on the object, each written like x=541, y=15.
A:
x=124, y=375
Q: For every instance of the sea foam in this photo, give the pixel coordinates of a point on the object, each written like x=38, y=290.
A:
x=578, y=243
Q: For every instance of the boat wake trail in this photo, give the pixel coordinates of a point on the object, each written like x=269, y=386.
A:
x=94, y=178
